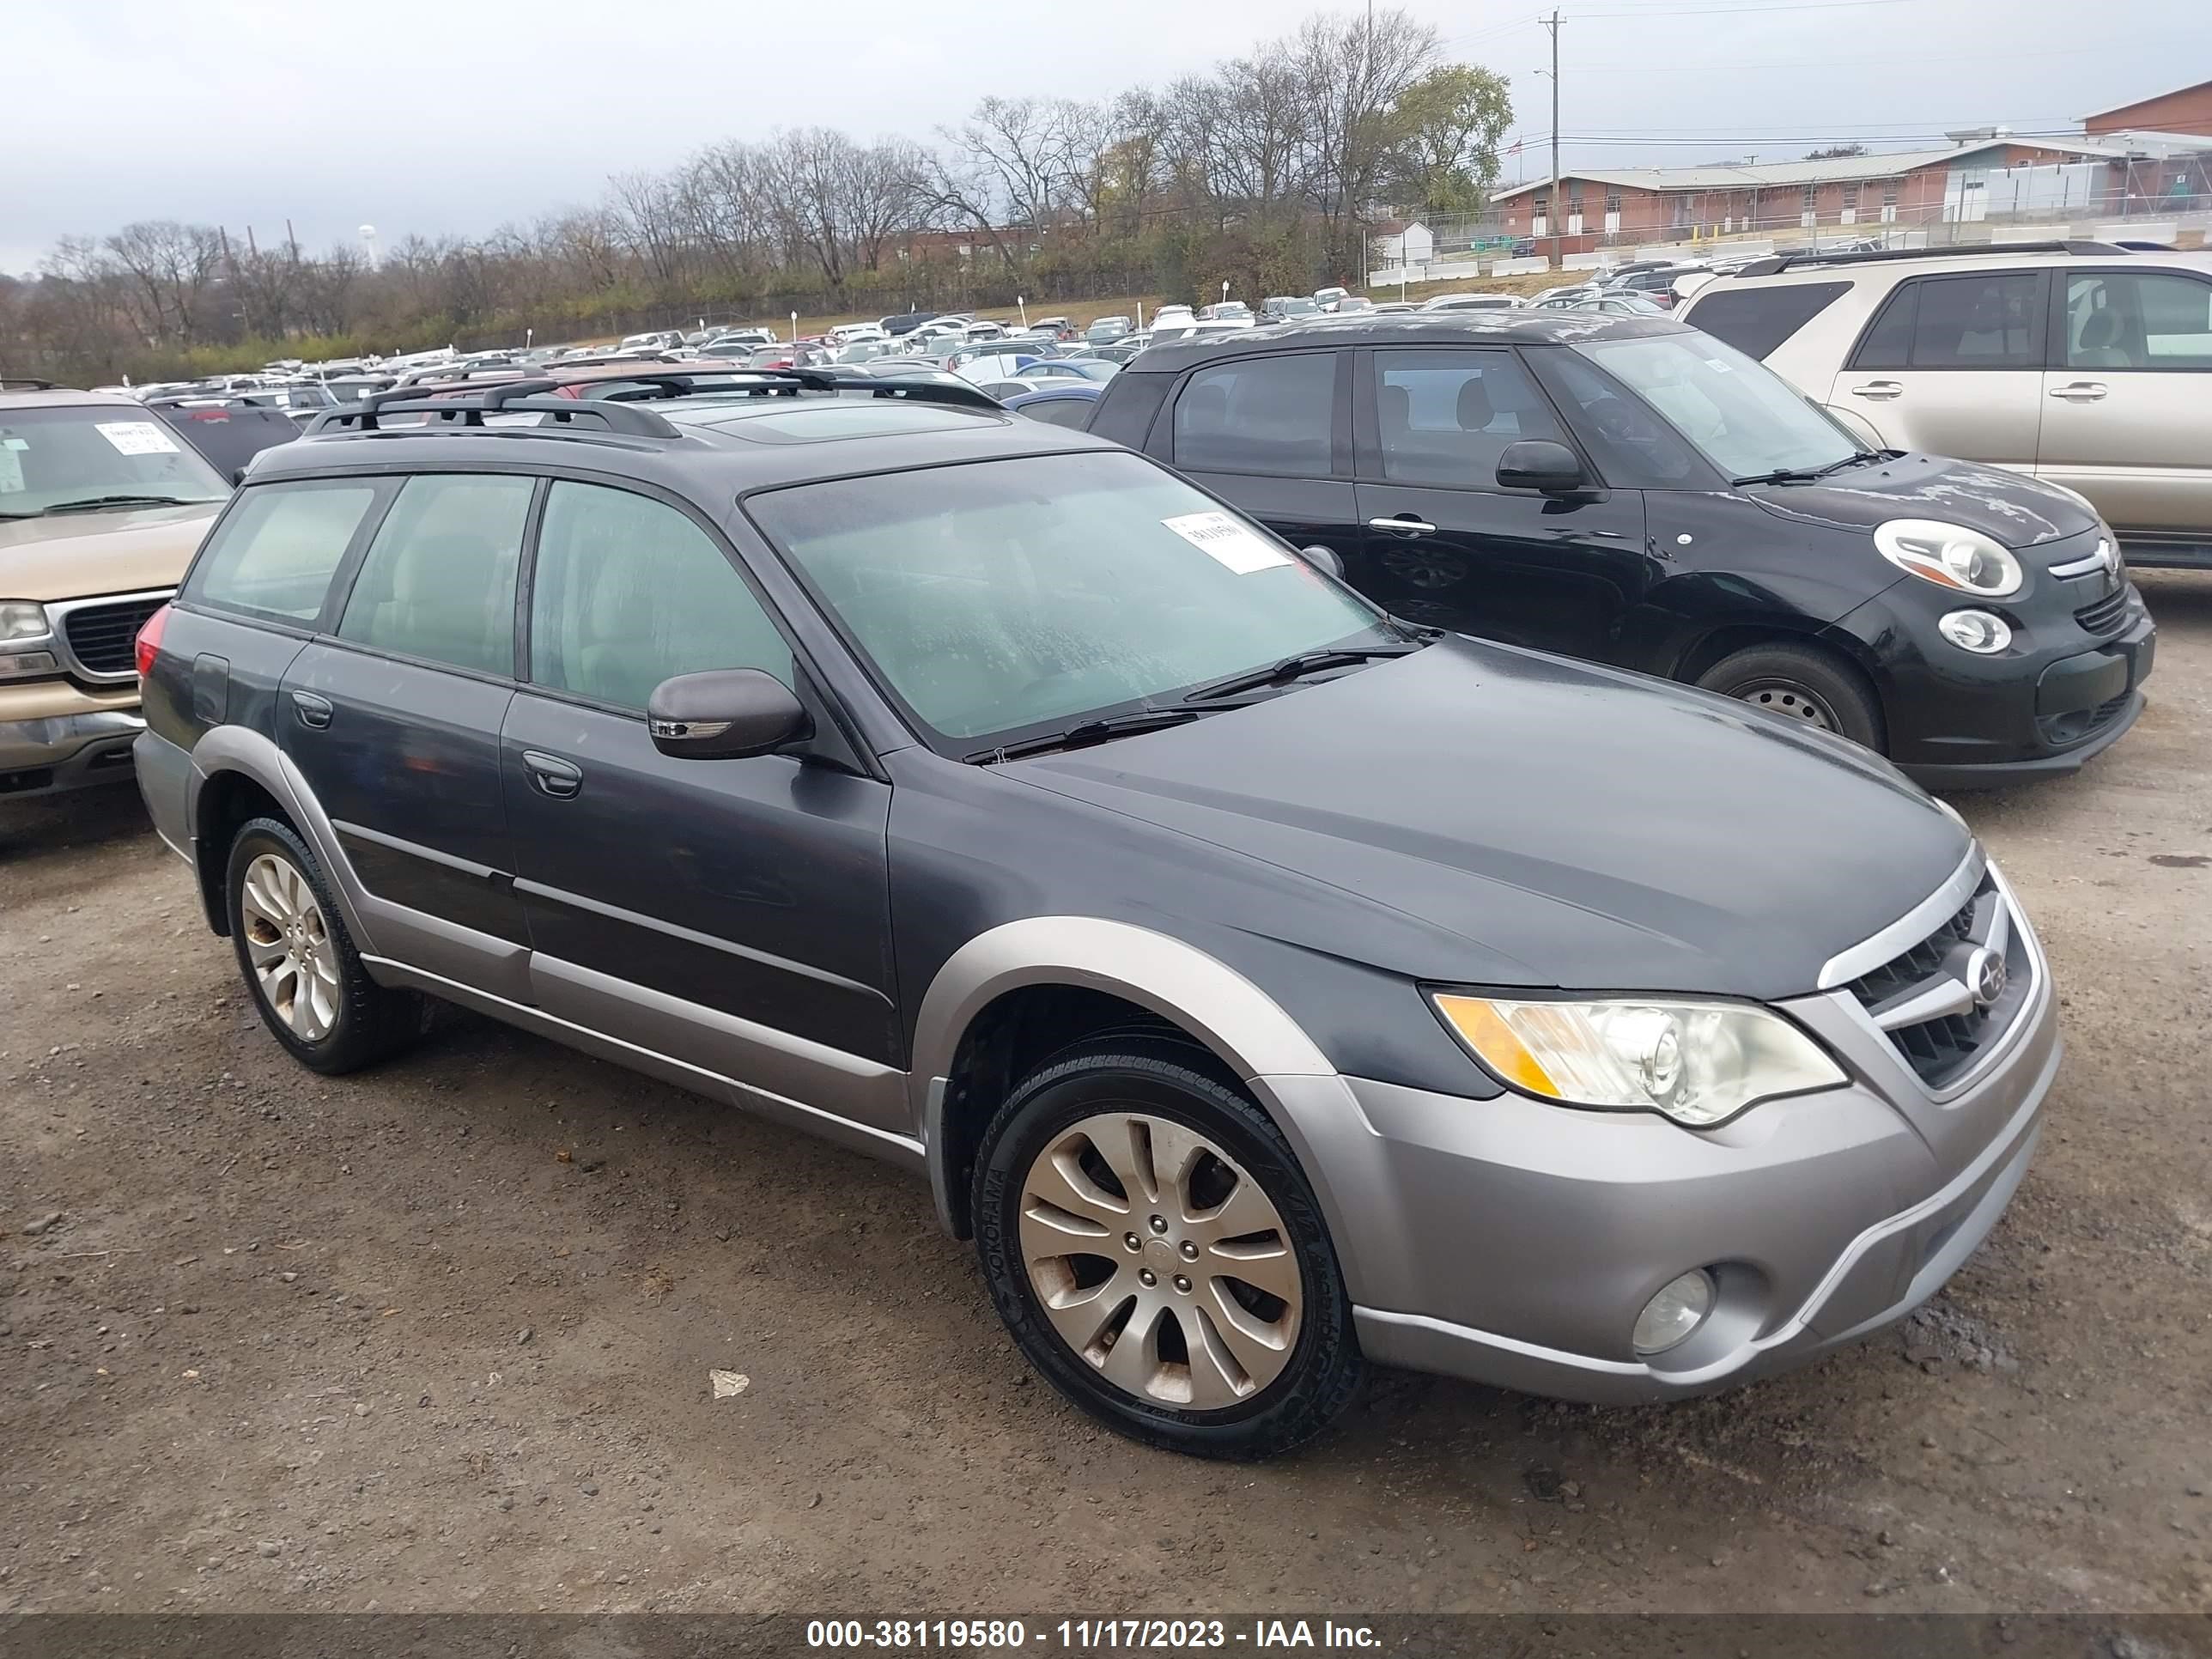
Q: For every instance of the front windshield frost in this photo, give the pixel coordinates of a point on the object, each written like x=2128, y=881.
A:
x=1005, y=596
x=1742, y=416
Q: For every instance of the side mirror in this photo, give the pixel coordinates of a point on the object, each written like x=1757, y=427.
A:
x=725, y=713
x=1541, y=463
x=237, y=476
x=1324, y=559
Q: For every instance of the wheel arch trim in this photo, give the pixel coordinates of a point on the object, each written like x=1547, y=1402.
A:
x=243, y=750
x=1294, y=1083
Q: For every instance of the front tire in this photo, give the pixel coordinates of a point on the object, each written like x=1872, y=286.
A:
x=1156, y=1253
x=299, y=962
x=1803, y=683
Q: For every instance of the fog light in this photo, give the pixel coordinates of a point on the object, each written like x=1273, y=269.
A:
x=1671, y=1317
x=1976, y=631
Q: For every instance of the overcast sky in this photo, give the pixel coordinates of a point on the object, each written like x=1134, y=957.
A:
x=437, y=116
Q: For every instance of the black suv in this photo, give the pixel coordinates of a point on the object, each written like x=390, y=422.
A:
x=1634, y=492
x=1244, y=970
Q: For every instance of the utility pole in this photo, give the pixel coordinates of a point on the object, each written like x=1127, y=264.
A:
x=1556, y=216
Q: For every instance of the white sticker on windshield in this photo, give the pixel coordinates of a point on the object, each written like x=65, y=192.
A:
x=11, y=471
x=1718, y=366
x=137, y=437
x=1223, y=538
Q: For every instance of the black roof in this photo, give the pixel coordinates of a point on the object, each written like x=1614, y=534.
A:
x=1418, y=328
x=709, y=452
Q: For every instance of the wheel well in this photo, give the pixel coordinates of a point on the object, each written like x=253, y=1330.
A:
x=228, y=801
x=1012, y=1037
x=1723, y=642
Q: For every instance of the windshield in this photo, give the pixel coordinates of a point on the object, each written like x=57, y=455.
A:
x=1003, y=599
x=50, y=457
x=1740, y=415
x=1292, y=307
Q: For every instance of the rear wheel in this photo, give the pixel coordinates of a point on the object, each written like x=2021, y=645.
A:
x=1156, y=1253
x=1803, y=683
x=298, y=961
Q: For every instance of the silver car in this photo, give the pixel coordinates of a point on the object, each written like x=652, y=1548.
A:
x=2084, y=364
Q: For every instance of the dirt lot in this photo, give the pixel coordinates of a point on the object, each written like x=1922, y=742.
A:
x=439, y=1336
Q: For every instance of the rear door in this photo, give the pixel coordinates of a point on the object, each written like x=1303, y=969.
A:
x=2127, y=412
x=1954, y=365
x=734, y=914
x=1443, y=543
x=1272, y=435
x=393, y=719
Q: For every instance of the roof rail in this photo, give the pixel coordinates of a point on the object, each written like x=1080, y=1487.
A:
x=1781, y=262
x=24, y=383
x=514, y=398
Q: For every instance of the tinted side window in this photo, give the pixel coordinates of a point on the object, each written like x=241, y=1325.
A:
x=275, y=553
x=2137, y=320
x=1755, y=321
x=1992, y=320
x=628, y=592
x=1270, y=415
x=1445, y=416
x=439, y=580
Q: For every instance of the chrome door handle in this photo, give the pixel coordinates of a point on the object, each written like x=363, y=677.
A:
x=312, y=710
x=1409, y=525
x=1880, y=389
x=2081, y=392
x=562, y=780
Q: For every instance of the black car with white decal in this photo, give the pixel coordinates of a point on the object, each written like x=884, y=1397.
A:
x=1635, y=492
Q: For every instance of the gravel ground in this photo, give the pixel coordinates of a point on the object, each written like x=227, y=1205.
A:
x=438, y=1336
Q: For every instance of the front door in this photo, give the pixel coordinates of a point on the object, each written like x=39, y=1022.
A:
x=1444, y=543
x=2127, y=409
x=733, y=914
x=393, y=720
x=1271, y=435
x=1954, y=365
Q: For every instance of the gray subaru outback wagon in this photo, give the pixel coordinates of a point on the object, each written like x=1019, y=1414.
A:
x=1268, y=987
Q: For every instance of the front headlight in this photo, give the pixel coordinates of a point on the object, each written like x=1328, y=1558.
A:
x=1697, y=1062
x=20, y=619
x=1950, y=556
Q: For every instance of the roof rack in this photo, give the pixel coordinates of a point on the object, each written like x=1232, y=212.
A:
x=24, y=383
x=1782, y=262
x=515, y=397
x=786, y=382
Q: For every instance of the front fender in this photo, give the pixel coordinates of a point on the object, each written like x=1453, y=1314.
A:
x=1286, y=1073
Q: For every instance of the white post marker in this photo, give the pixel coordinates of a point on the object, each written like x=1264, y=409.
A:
x=794, y=328
x=1024, y=304
x=1224, y=290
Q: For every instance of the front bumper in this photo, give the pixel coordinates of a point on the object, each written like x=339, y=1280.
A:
x=67, y=751
x=2060, y=696
x=1514, y=1242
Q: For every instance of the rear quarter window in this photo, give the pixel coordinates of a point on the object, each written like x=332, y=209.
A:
x=275, y=552
x=1755, y=321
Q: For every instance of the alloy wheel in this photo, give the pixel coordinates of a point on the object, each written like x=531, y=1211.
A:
x=1160, y=1261
x=294, y=958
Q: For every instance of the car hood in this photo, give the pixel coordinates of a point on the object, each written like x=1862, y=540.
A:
x=1488, y=816
x=79, y=555
x=2016, y=510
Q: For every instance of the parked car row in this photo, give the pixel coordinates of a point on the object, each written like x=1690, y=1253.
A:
x=1238, y=958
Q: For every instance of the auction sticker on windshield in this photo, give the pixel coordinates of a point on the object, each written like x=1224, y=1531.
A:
x=1223, y=538
x=136, y=437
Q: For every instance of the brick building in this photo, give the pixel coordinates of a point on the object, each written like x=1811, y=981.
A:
x=2189, y=110
x=1605, y=205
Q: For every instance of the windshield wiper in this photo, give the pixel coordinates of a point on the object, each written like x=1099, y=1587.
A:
x=1293, y=668
x=91, y=501
x=1812, y=474
x=1084, y=732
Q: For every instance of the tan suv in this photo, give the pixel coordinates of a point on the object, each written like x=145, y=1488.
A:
x=101, y=507
x=2083, y=363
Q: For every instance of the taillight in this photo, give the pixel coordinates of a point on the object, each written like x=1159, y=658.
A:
x=150, y=640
